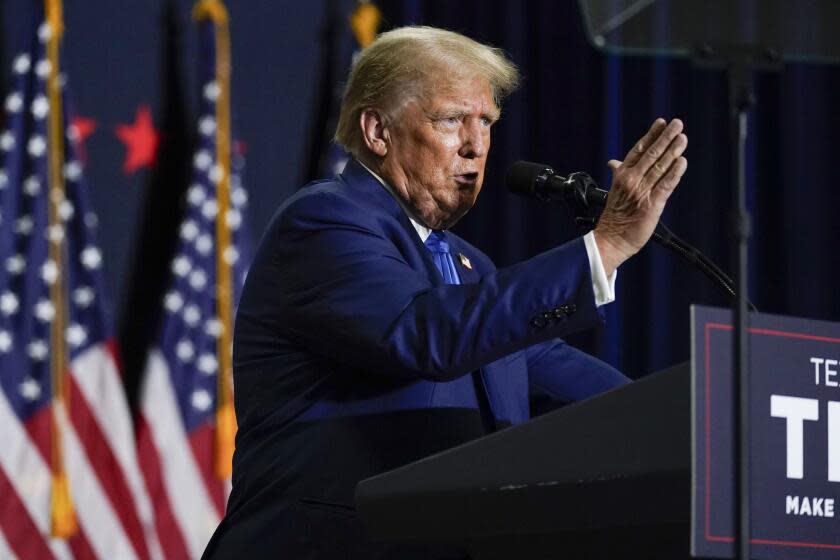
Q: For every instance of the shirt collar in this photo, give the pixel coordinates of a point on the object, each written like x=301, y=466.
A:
x=421, y=230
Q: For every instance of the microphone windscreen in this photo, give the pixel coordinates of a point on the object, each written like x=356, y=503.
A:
x=525, y=177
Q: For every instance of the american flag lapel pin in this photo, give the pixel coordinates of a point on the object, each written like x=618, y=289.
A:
x=464, y=260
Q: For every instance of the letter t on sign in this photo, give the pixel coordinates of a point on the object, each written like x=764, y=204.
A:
x=795, y=410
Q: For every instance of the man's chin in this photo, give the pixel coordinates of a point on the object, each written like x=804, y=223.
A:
x=443, y=214
x=449, y=219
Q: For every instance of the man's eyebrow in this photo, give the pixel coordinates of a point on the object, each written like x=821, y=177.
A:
x=449, y=112
x=493, y=114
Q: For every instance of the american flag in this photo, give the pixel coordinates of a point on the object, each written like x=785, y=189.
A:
x=63, y=410
x=346, y=37
x=183, y=456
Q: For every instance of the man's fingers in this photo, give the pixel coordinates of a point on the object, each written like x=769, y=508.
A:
x=641, y=186
x=646, y=141
x=663, y=164
x=659, y=147
x=669, y=182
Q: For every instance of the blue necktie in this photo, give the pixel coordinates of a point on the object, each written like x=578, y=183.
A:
x=437, y=244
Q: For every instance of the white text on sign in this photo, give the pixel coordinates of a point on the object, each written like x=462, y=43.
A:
x=795, y=411
x=813, y=507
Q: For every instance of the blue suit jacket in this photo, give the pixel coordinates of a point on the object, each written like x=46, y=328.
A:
x=352, y=357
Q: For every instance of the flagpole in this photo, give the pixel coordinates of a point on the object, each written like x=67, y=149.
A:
x=215, y=11
x=62, y=517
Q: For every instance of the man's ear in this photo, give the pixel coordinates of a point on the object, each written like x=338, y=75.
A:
x=373, y=131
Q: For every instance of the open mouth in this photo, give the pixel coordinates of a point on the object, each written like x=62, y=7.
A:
x=467, y=178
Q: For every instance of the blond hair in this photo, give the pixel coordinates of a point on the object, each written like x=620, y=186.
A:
x=416, y=62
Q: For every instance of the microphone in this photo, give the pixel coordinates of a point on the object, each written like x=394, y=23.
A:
x=540, y=181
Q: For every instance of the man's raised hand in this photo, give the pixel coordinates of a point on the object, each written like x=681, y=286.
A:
x=640, y=188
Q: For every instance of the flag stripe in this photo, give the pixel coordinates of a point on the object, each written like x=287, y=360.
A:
x=95, y=512
x=5, y=550
x=168, y=530
x=101, y=385
x=100, y=459
x=201, y=443
x=38, y=428
x=188, y=495
x=23, y=535
x=95, y=371
x=28, y=474
x=80, y=545
x=25, y=468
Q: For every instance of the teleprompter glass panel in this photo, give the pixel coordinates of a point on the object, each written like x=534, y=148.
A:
x=804, y=30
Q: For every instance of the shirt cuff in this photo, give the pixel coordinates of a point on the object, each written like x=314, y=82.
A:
x=602, y=287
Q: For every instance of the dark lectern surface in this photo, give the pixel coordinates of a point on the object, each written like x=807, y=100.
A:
x=608, y=476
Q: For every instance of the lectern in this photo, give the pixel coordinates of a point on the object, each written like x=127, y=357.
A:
x=600, y=478
x=645, y=471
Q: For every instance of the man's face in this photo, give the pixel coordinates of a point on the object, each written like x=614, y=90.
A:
x=437, y=148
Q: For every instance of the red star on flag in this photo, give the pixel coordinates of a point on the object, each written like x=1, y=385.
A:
x=80, y=129
x=140, y=139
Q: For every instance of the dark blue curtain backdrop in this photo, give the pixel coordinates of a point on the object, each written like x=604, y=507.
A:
x=578, y=108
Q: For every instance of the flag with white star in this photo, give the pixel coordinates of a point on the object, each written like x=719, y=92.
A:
x=70, y=484
x=180, y=439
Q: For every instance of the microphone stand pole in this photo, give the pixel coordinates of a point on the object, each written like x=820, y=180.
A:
x=740, y=62
x=741, y=98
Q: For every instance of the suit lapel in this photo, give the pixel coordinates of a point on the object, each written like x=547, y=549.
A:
x=358, y=177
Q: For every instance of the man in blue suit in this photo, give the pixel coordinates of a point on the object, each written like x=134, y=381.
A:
x=368, y=336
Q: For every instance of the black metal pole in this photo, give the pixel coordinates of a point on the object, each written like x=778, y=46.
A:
x=741, y=99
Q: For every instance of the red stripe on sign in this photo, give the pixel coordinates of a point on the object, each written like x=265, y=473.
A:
x=201, y=441
x=796, y=543
x=708, y=429
x=20, y=531
x=168, y=529
x=107, y=468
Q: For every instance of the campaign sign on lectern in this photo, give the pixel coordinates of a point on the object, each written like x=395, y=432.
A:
x=795, y=436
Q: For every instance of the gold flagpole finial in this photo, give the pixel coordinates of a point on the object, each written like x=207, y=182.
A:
x=365, y=21
x=212, y=9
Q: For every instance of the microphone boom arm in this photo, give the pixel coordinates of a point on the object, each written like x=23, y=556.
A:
x=583, y=195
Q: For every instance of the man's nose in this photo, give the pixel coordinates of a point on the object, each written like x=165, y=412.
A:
x=473, y=140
